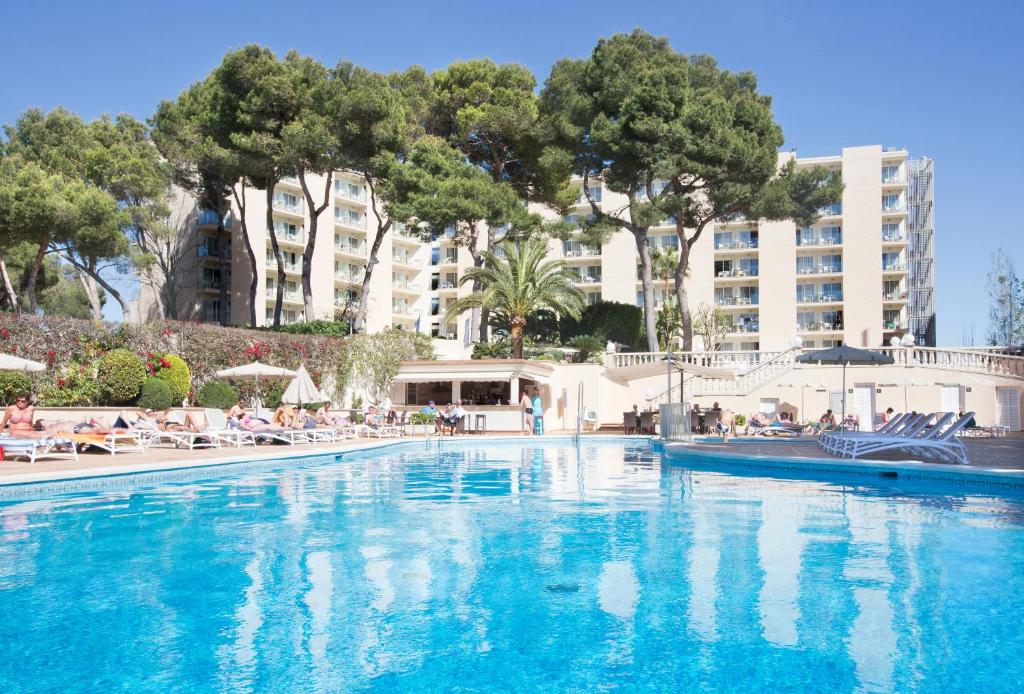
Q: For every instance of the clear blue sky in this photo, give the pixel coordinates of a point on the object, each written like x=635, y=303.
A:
x=943, y=79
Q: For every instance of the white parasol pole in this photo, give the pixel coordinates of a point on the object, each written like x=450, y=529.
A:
x=842, y=421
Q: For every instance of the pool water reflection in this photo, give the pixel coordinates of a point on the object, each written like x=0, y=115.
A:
x=512, y=567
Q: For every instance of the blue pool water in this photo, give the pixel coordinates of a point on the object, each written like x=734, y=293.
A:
x=511, y=567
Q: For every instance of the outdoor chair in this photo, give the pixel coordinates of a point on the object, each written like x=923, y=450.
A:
x=711, y=421
x=646, y=422
x=628, y=422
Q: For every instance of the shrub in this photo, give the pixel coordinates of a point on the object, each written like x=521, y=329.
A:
x=331, y=328
x=120, y=375
x=421, y=418
x=75, y=385
x=155, y=394
x=175, y=373
x=498, y=349
x=216, y=394
x=12, y=384
x=622, y=323
x=590, y=348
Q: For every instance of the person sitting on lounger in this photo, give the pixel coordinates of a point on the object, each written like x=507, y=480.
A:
x=18, y=417
x=827, y=421
x=236, y=411
x=971, y=423
x=759, y=421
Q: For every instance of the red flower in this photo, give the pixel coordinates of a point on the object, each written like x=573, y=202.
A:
x=164, y=363
x=61, y=382
x=150, y=355
x=5, y=333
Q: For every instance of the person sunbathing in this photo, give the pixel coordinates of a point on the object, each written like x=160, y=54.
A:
x=759, y=421
x=42, y=428
x=252, y=424
x=18, y=417
x=236, y=410
x=176, y=421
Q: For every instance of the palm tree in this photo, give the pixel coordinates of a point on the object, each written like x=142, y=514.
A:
x=519, y=285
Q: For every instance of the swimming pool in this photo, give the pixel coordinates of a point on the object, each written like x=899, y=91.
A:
x=511, y=566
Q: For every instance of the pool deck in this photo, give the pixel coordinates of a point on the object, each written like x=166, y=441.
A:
x=1000, y=458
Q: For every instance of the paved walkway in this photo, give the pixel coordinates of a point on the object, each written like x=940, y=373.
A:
x=1004, y=452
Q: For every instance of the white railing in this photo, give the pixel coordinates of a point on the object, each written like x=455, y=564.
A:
x=967, y=359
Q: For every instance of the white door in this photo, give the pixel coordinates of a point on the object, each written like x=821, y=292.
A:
x=1008, y=408
x=951, y=399
x=864, y=406
x=769, y=407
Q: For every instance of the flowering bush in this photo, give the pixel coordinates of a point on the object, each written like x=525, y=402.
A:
x=175, y=373
x=12, y=384
x=74, y=385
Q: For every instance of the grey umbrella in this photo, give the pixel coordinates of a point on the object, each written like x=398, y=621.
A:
x=845, y=355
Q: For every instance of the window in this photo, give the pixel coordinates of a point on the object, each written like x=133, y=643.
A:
x=831, y=236
x=723, y=239
x=805, y=293
x=831, y=263
x=435, y=306
x=890, y=203
x=805, y=319
x=833, y=320
x=748, y=266
x=891, y=232
x=891, y=173
x=593, y=298
x=595, y=194
x=806, y=237
x=435, y=256
x=750, y=346
x=670, y=241
x=748, y=295
x=832, y=291
x=724, y=296
x=804, y=264
x=891, y=261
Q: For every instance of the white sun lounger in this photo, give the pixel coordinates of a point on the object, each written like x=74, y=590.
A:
x=939, y=442
x=831, y=440
x=34, y=449
x=217, y=426
x=859, y=441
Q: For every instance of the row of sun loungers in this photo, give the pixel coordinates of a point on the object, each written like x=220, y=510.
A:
x=928, y=436
x=215, y=434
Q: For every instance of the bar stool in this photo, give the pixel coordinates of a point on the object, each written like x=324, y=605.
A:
x=480, y=427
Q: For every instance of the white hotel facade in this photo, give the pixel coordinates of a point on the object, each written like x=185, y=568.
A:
x=861, y=275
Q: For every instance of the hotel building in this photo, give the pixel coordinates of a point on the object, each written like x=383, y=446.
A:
x=861, y=275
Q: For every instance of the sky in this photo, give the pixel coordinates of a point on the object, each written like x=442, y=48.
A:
x=942, y=79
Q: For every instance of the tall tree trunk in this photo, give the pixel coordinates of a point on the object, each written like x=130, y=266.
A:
x=92, y=294
x=359, y=323
x=647, y=282
x=682, y=297
x=33, y=276
x=307, y=253
x=278, y=256
x=223, y=316
x=517, y=327
x=243, y=227
x=12, y=298
x=478, y=261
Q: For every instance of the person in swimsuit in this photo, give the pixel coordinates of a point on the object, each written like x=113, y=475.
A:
x=18, y=417
x=527, y=405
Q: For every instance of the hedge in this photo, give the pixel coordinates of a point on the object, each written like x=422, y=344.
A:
x=156, y=395
x=13, y=384
x=120, y=375
x=216, y=394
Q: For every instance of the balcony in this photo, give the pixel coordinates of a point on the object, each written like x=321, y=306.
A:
x=347, y=276
x=819, y=327
x=582, y=278
x=894, y=296
x=406, y=259
x=347, y=191
x=296, y=237
x=585, y=252
x=735, y=273
x=356, y=250
x=893, y=325
x=819, y=241
x=822, y=298
x=449, y=259
x=447, y=287
x=819, y=269
x=401, y=310
x=408, y=287
x=289, y=206
x=833, y=210
x=288, y=267
x=209, y=218
x=890, y=237
x=736, y=301
x=355, y=221
x=894, y=267
x=736, y=245
x=211, y=252
x=744, y=328
x=894, y=208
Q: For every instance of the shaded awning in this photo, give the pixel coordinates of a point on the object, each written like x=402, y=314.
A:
x=625, y=374
x=474, y=370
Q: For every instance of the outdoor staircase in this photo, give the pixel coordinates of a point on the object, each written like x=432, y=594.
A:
x=755, y=369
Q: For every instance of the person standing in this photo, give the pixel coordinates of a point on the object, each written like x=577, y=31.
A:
x=538, y=412
x=527, y=406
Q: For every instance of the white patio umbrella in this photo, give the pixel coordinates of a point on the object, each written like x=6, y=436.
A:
x=9, y=362
x=302, y=390
x=255, y=371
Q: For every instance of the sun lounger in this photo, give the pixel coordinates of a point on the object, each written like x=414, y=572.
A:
x=217, y=425
x=832, y=440
x=34, y=449
x=938, y=441
x=112, y=443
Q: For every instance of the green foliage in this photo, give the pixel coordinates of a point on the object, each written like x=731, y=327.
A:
x=496, y=349
x=421, y=418
x=590, y=348
x=621, y=323
x=741, y=420
x=75, y=385
x=13, y=384
x=518, y=285
x=669, y=324
x=334, y=328
x=216, y=394
x=372, y=361
x=120, y=374
x=177, y=376
x=156, y=395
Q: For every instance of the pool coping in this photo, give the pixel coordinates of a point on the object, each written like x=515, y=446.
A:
x=864, y=467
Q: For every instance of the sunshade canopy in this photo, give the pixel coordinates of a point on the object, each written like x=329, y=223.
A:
x=845, y=355
x=9, y=362
x=302, y=390
x=625, y=374
x=254, y=370
x=474, y=370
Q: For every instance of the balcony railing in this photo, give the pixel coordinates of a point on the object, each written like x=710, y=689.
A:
x=735, y=245
x=819, y=327
x=207, y=251
x=894, y=267
x=298, y=236
x=345, y=276
x=587, y=279
x=582, y=252
x=897, y=207
x=401, y=310
x=894, y=296
x=406, y=286
x=209, y=217
x=819, y=299
x=893, y=238
x=351, y=248
x=745, y=328
x=894, y=325
x=737, y=272
x=343, y=191
x=893, y=179
x=736, y=301
x=406, y=260
x=819, y=269
x=355, y=221
x=832, y=210
x=288, y=267
x=284, y=205
x=819, y=241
